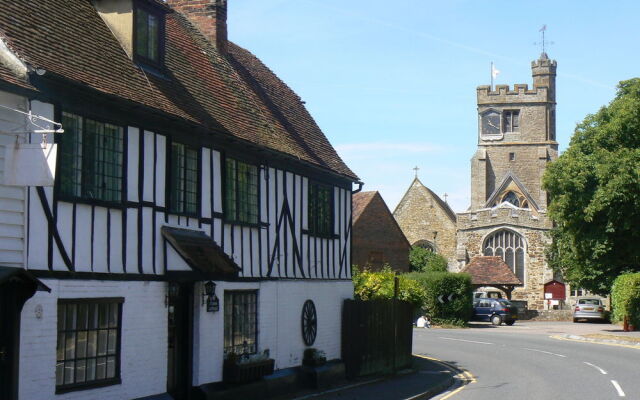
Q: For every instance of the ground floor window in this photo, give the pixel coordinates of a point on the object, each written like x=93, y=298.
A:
x=240, y=321
x=88, y=350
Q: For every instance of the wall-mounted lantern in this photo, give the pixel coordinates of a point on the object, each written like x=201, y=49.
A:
x=209, y=291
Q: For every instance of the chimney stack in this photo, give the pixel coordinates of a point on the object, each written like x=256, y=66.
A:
x=209, y=16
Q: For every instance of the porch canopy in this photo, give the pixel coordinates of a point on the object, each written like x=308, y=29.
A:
x=492, y=271
x=206, y=259
x=21, y=277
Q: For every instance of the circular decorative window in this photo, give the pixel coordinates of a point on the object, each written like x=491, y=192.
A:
x=309, y=322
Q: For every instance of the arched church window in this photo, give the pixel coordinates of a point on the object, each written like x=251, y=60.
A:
x=512, y=198
x=425, y=244
x=509, y=246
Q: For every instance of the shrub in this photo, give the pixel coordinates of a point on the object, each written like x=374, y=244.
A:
x=369, y=285
x=435, y=284
x=625, y=298
x=424, y=260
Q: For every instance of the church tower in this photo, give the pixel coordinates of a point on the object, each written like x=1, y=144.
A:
x=507, y=217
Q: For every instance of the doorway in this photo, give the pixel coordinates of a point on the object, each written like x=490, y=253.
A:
x=180, y=340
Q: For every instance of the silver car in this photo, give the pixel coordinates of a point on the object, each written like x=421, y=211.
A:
x=589, y=309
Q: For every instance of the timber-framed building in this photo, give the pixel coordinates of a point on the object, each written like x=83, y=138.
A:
x=184, y=162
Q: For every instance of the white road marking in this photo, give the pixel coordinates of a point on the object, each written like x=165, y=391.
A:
x=462, y=340
x=602, y=371
x=618, y=388
x=545, y=352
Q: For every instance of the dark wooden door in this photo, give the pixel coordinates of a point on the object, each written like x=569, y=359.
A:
x=9, y=340
x=180, y=333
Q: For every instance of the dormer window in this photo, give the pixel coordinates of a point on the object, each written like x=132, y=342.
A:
x=148, y=32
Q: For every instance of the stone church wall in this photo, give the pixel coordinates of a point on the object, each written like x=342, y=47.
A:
x=474, y=227
x=419, y=215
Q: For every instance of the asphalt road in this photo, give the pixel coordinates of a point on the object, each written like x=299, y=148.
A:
x=508, y=362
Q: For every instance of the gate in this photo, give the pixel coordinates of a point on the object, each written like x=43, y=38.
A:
x=376, y=336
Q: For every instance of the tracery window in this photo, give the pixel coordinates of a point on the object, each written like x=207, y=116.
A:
x=514, y=198
x=510, y=247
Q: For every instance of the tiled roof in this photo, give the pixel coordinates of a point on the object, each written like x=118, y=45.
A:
x=359, y=202
x=487, y=270
x=238, y=96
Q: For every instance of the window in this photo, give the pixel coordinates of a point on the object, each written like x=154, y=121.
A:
x=511, y=121
x=88, y=350
x=91, y=159
x=512, y=198
x=510, y=247
x=512, y=156
x=241, y=192
x=240, y=322
x=148, y=35
x=320, y=209
x=578, y=292
x=184, y=193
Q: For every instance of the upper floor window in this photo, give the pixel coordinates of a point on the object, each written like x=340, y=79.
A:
x=148, y=35
x=320, y=211
x=511, y=120
x=90, y=159
x=183, y=194
x=241, y=192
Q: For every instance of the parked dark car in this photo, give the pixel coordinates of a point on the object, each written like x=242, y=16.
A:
x=496, y=311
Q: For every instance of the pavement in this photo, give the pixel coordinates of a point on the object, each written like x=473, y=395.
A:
x=427, y=378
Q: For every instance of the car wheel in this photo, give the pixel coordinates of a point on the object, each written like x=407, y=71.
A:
x=510, y=323
x=496, y=320
x=575, y=320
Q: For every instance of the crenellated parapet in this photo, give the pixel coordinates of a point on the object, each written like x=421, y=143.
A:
x=520, y=93
x=503, y=216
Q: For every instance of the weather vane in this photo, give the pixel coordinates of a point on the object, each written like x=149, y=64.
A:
x=544, y=42
x=416, y=169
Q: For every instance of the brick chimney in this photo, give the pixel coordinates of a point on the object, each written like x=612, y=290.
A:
x=209, y=16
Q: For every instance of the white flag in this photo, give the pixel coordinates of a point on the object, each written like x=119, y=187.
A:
x=494, y=71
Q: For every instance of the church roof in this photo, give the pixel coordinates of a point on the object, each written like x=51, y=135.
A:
x=234, y=96
x=490, y=270
x=416, y=185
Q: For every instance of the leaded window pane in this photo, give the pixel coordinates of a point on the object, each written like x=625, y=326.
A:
x=320, y=210
x=147, y=42
x=241, y=192
x=91, y=159
x=84, y=340
x=184, y=180
x=240, y=322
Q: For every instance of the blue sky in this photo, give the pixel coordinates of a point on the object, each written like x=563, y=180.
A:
x=392, y=83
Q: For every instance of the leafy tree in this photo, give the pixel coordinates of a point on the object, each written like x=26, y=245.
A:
x=369, y=285
x=425, y=260
x=594, y=189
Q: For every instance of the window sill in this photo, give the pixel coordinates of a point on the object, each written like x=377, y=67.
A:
x=245, y=224
x=87, y=386
x=92, y=202
x=321, y=235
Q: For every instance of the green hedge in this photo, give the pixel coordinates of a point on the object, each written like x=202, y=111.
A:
x=435, y=284
x=625, y=298
x=368, y=285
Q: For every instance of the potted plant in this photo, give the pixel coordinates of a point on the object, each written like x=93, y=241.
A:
x=313, y=357
x=247, y=368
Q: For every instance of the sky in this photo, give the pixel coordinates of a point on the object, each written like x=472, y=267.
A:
x=392, y=84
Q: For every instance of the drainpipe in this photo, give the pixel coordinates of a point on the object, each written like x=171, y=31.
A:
x=360, y=184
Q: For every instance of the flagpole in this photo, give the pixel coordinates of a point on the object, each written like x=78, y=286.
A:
x=491, y=73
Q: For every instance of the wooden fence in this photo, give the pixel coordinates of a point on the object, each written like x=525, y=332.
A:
x=376, y=336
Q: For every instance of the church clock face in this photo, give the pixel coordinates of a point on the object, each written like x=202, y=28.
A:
x=490, y=123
